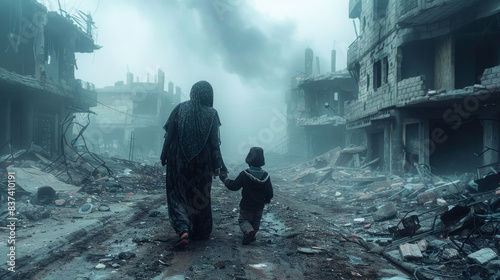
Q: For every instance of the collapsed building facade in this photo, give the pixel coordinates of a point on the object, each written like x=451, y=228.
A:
x=129, y=117
x=37, y=74
x=315, y=108
x=429, y=80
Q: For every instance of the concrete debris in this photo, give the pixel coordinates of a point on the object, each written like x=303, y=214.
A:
x=385, y=212
x=450, y=254
x=441, y=202
x=30, y=179
x=60, y=202
x=436, y=244
x=483, y=256
x=429, y=196
x=422, y=245
x=410, y=251
x=33, y=212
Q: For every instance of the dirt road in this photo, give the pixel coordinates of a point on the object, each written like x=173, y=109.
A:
x=301, y=237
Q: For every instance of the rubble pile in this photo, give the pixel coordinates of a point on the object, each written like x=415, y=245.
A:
x=432, y=226
x=43, y=186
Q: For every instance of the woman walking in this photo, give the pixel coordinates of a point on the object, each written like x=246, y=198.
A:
x=191, y=152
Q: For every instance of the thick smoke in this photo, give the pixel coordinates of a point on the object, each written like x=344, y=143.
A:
x=233, y=34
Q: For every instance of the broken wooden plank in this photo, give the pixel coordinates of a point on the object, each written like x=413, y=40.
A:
x=42, y=158
x=304, y=173
x=353, y=150
x=326, y=176
x=370, y=163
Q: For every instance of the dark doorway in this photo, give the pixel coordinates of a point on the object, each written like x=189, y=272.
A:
x=376, y=149
x=456, y=153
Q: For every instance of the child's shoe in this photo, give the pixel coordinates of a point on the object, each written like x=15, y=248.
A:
x=249, y=237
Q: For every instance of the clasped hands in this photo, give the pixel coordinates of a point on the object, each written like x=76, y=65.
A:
x=221, y=173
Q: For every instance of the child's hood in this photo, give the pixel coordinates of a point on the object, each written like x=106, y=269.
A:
x=257, y=174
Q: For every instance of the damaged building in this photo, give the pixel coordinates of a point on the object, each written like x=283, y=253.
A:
x=429, y=77
x=315, y=108
x=37, y=73
x=129, y=115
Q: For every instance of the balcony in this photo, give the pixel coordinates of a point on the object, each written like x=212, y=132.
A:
x=354, y=8
x=418, y=12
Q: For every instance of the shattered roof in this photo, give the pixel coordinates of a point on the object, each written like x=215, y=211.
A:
x=14, y=82
x=84, y=43
x=433, y=96
x=321, y=120
x=330, y=76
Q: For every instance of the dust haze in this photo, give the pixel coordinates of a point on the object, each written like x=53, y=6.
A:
x=247, y=50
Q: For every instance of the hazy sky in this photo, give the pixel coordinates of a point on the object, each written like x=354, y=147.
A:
x=247, y=50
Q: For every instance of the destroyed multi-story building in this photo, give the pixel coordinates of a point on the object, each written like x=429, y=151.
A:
x=315, y=108
x=429, y=79
x=37, y=73
x=130, y=116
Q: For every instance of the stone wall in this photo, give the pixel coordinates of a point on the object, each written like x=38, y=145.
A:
x=410, y=89
x=491, y=77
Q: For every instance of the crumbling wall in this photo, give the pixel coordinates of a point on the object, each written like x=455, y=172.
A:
x=491, y=77
x=409, y=89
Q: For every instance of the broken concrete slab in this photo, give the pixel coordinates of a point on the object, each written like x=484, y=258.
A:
x=426, y=197
x=410, y=251
x=385, y=212
x=482, y=256
x=30, y=179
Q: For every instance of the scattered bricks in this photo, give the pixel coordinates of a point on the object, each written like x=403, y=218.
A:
x=447, y=188
x=426, y=196
x=385, y=212
x=495, y=69
x=429, y=203
x=410, y=251
x=482, y=256
x=422, y=245
x=450, y=254
x=378, y=186
x=415, y=187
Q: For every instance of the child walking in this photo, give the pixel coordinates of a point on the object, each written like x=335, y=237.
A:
x=257, y=190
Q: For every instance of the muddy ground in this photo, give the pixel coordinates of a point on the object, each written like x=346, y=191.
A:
x=303, y=236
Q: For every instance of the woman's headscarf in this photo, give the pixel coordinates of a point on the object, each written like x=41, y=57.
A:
x=196, y=118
